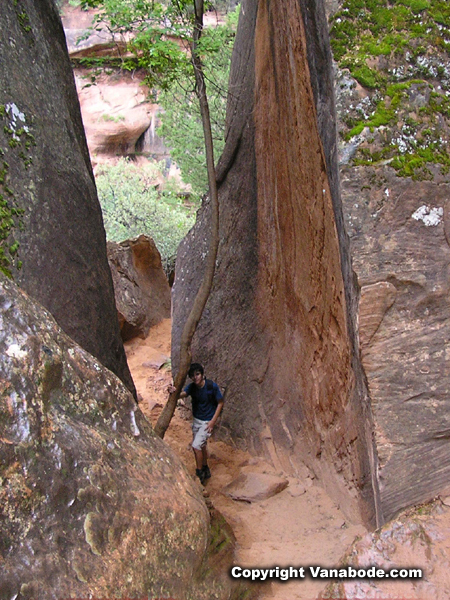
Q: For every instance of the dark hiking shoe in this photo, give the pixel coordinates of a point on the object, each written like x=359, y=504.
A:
x=206, y=472
x=200, y=474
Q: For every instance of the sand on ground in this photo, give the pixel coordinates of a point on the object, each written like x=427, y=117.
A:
x=300, y=526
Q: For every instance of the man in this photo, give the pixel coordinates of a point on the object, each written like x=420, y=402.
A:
x=207, y=404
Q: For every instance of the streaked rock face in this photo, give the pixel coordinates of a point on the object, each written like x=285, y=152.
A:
x=278, y=328
x=398, y=223
x=401, y=256
x=92, y=503
x=281, y=328
x=62, y=243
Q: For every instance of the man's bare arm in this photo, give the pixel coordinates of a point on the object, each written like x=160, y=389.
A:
x=213, y=421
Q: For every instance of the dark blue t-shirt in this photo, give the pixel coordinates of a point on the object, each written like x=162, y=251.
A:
x=204, y=400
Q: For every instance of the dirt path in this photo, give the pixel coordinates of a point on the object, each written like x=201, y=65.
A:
x=300, y=526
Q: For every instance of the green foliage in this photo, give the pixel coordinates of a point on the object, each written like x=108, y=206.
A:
x=133, y=205
x=159, y=42
x=181, y=122
x=158, y=36
x=366, y=76
x=113, y=119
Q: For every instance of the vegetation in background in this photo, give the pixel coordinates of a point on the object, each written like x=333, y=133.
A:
x=181, y=123
x=157, y=44
x=132, y=204
x=399, y=52
x=166, y=41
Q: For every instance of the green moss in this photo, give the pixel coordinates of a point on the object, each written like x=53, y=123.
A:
x=416, y=5
x=382, y=116
x=24, y=21
x=366, y=76
x=407, y=122
x=10, y=215
x=415, y=164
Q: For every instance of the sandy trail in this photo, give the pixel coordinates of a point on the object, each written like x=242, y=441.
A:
x=300, y=526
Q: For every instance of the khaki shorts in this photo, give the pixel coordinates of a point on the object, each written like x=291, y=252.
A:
x=200, y=434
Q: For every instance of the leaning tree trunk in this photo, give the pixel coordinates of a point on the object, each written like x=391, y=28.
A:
x=206, y=285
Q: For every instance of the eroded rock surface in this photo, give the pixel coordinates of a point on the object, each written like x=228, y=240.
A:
x=46, y=173
x=402, y=263
x=92, y=503
x=140, y=285
x=397, y=216
x=277, y=330
x=118, y=117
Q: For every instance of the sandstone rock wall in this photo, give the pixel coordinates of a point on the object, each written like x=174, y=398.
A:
x=46, y=173
x=118, y=116
x=276, y=329
x=403, y=268
x=397, y=216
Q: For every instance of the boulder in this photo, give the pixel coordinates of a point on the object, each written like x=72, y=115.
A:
x=416, y=539
x=92, y=502
x=57, y=244
x=254, y=487
x=140, y=285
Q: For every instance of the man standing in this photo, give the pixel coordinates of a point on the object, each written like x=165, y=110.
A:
x=207, y=404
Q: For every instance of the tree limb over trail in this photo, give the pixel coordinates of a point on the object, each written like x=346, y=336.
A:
x=206, y=284
x=155, y=25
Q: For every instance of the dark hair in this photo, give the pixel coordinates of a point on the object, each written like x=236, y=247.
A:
x=194, y=368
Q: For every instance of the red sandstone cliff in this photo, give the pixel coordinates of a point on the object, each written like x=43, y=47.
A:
x=278, y=329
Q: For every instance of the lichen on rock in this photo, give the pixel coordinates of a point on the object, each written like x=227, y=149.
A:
x=398, y=57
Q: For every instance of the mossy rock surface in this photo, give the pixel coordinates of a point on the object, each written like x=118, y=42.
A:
x=397, y=54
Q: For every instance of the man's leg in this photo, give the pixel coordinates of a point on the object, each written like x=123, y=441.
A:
x=205, y=468
x=198, y=457
x=200, y=436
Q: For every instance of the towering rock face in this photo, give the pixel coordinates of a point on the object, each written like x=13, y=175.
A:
x=394, y=152
x=277, y=330
x=46, y=173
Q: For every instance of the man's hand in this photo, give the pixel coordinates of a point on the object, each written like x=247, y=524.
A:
x=171, y=389
x=210, y=426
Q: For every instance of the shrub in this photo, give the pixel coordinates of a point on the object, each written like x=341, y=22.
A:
x=132, y=204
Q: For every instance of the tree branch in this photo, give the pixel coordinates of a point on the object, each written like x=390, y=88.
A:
x=201, y=298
